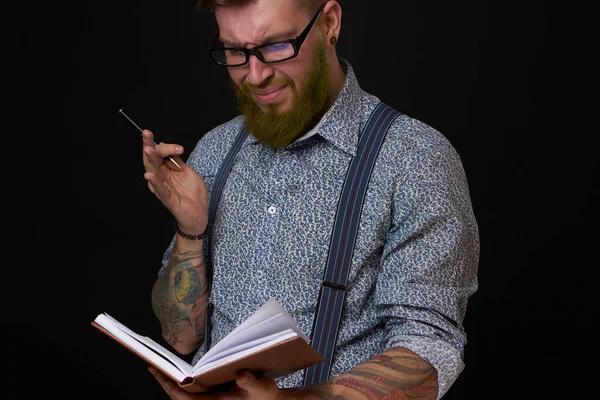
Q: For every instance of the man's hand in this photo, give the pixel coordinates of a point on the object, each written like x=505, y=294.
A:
x=395, y=374
x=247, y=387
x=183, y=191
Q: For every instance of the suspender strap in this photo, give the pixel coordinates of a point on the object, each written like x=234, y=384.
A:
x=333, y=290
x=212, y=211
x=331, y=296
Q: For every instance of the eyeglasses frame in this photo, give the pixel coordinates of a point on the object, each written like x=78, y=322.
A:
x=296, y=44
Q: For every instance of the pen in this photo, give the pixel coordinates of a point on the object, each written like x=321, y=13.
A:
x=141, y=130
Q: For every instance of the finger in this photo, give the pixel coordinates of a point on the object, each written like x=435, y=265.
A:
x=164, y=150
x=163, y=381
x=256, y=388
x=151, y=187
x=150, y=155
x=148, y=137
x=169, y=386
x=151, y=161
x=157, y=187
x=156, y=155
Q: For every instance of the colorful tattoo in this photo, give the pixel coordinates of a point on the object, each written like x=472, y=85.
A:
x=179, y=296
x=396, y=374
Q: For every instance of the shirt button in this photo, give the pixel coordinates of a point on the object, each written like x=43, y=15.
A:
x=272, y=210
x=259, y=274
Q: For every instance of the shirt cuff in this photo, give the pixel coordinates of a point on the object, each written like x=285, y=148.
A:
x=441, y=355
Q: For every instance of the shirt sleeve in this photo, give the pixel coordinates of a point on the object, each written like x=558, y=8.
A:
x=166, y=256
x=429, y=264
x=206, y=159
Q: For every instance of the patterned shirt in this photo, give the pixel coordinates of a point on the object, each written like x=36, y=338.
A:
x=415, y=260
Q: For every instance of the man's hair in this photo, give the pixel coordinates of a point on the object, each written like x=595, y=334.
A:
x=311, y=6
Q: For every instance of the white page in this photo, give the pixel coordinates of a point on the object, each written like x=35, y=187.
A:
x=145, y=343
x=182, y=365
x=267, y=320
x=261, y=329
x=140, y=348
x=266, y=311
x=238, y=347
x=281, y=336
x=270, y=309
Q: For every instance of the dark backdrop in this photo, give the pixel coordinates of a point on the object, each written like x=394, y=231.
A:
x=506, y=84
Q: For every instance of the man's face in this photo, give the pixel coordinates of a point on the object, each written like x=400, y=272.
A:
x=278, y=129
x=278, y=90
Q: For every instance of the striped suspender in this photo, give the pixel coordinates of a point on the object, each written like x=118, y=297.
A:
x=331, y=296
x=345, y=229
x=212, y=211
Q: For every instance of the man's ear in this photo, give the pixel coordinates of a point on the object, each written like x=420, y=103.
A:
x=332, y=17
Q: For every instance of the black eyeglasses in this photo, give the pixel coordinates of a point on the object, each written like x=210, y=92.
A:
x=267, y=53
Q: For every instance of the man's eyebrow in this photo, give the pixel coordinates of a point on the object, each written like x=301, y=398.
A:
x=280, y=36
x=227, y=43
x=269, y=39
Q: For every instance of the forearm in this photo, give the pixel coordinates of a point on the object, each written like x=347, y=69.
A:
x=180, y=296
x=398, y=373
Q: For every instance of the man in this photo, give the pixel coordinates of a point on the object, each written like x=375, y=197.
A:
x=414, y=262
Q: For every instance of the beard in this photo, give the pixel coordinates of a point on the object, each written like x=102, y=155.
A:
x=278, y=129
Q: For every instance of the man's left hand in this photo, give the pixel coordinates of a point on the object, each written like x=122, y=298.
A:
x=247, y=386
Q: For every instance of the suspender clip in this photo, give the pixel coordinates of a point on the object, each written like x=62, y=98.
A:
x=334, y=286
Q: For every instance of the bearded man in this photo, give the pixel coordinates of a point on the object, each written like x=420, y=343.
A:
x=413, y=260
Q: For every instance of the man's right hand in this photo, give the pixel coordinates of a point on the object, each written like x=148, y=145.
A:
x=183, y=191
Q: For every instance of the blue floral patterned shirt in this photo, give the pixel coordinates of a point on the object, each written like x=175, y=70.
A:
x=416, y=255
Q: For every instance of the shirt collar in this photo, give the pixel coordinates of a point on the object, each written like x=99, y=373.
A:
x=342, y=123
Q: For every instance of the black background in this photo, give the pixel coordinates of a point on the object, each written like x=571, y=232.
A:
x=509, y=84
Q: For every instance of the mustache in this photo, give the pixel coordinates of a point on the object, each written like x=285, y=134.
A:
x=247, y=87
x=278, y=128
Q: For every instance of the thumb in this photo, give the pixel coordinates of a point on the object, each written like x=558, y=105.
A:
x=246, y=380
x=257, y=388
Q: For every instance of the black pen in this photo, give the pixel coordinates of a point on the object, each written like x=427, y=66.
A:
x=141, y=130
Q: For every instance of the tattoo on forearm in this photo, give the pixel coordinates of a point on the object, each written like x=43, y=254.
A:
x=396, y=374
x=180, y=295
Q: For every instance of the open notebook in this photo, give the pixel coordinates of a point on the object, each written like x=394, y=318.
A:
x=268, y=342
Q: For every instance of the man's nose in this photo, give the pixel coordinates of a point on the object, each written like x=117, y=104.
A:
x=258, y=71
